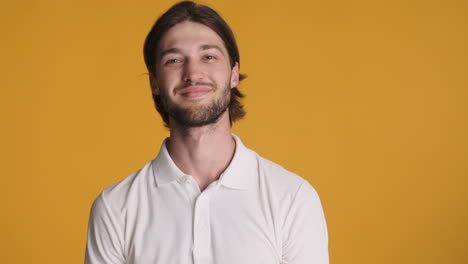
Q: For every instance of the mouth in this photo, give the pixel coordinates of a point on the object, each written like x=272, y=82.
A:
x=195, y=91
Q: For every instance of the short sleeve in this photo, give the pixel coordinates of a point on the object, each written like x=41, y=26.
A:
x=305, y=236
x=105, y=240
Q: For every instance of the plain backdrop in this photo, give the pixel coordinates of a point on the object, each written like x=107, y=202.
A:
x=367, y=100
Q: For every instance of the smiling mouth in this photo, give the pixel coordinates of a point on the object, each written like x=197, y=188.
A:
x=195, y=91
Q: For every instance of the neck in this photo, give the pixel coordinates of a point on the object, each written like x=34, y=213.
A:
x=202, y=152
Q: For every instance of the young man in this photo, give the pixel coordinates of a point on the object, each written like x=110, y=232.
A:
x=206, y=198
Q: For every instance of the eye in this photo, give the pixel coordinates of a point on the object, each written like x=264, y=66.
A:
x=209, y=57
x=172, y=61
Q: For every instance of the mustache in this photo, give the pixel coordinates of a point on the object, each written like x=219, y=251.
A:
x=188, y=84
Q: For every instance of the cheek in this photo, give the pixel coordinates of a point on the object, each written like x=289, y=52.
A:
x=168, y=78
x=221, y=72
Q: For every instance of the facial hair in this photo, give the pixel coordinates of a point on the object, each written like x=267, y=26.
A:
x=199, y=116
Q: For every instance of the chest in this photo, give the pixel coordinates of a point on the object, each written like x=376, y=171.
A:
x=215, y=226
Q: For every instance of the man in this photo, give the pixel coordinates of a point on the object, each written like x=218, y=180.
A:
x=206, y=198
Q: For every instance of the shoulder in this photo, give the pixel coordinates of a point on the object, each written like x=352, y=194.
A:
x=285, y=183
x=109, y=217
x=118, y=195
x=278, y=172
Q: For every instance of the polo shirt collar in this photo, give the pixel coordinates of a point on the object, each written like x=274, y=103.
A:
x=238, y=175
x=164, y=168
x=242, y=169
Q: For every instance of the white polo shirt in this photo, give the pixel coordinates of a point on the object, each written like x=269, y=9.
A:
x=256, y=213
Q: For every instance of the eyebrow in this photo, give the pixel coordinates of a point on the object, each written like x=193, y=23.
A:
x=211, y=46
x=169, y=51
x=177, y=50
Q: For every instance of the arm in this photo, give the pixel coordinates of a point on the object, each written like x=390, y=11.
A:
x=305, y=237
x=105, y=240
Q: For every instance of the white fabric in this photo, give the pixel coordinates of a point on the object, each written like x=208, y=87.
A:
x=256, y=213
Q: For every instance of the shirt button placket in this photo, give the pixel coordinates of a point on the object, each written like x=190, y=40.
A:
x=190, y=190
x=201, y=228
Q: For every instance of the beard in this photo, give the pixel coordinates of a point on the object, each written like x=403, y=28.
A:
x=199, y=116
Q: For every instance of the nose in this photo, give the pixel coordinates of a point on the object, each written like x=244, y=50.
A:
x=193, y=71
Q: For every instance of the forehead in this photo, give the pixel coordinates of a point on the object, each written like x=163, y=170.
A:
x=188, y=34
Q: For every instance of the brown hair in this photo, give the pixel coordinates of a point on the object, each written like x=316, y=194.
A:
x=190, y=11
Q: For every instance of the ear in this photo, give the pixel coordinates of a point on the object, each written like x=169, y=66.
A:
x=154, y=84
x=235, y=75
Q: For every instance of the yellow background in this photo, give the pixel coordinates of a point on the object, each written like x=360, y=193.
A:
x=365, y=99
